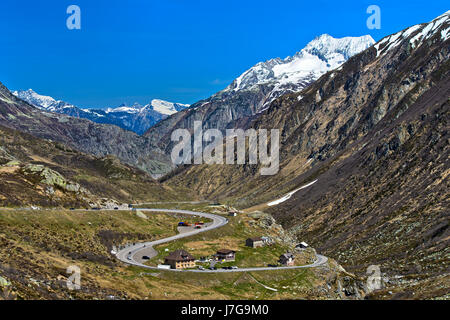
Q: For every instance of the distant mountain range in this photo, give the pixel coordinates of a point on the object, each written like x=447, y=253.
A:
x=82, y=134
x=136, y=118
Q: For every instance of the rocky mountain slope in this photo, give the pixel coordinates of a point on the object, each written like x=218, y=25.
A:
x=255, y=89
x=36, y=172
x=136, y=118
x=374, y=134
x=81, y=134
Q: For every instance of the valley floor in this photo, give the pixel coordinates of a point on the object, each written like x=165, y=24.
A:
x=37, y=247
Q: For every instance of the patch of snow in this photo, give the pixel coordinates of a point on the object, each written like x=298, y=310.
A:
x=289, y=195
x=424, y=32
x=410, y=31
x=391, y=42
x=122, y=108
x=445, y=34
x=165, y=107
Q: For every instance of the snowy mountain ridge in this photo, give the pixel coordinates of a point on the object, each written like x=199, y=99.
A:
x=419, y=34
x=40, y=101
x=157, y=105
x=136, y=118
x=321, y=55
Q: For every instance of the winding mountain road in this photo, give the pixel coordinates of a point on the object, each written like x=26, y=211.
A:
x=133, y=254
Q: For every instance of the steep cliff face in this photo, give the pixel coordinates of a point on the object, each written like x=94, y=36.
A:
x=84, y=135
x=374, y=134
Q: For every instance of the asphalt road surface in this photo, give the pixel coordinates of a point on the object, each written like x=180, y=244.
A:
x=133, y=254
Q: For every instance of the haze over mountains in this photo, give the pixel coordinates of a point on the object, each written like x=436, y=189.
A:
x=136, y=118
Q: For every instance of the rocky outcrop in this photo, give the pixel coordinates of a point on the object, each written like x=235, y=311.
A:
x=52, y=178
x=267, y=222
x=6, y=290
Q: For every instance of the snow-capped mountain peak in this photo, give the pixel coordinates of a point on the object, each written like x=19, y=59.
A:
x=321, y=55
x=417, y=34
x=135, y=108
x=165, y=107
x=326, y=47
x=137, y=118
x=157, y=105
x=40, y=101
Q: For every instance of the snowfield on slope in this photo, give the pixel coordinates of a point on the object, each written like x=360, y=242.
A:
x=289, y=195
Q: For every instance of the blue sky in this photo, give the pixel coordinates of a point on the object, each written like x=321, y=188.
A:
x=176, y=50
